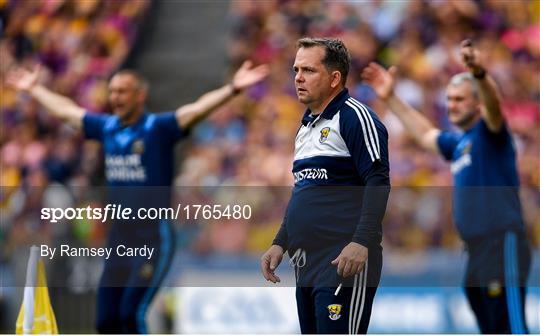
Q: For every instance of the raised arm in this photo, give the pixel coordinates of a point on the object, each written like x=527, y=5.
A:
x=58, y=105
x=416, y=124
x=489, y=93
x=190, y=114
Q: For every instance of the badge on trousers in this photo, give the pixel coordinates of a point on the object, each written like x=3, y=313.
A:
x=334, y=311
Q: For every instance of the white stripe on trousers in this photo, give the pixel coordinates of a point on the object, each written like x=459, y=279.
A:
x=351, y=305
x=358, y=297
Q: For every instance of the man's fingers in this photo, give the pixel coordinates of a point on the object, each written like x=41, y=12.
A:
x=367, y=73
x=375, y=66
x=468, y=52
x=247, y=64
x=14, y=78
x=393, y=71
x=247, y=76
x=267, y=273
x=468, y=59
x=11, y=78
x=268, y=264
x=466, y=43
x=341, y=266
x=262, y=71
x=374, y=70
x=274, y=262
x=347, y=269
x=272, y=276
x=359, y=268
x=264, y=68
x=37, y=69
x=264, y=269
x=370, y=69
x=355, y=268
x=14, y=74
x=369, y=77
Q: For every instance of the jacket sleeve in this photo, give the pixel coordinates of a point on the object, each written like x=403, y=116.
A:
x=282, y=238
x=367, y=141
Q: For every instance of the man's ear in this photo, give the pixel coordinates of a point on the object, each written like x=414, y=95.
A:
x=336, y=79
x=142, y=95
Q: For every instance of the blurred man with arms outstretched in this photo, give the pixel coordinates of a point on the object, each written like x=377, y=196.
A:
x=138, y=147
x=487, y=210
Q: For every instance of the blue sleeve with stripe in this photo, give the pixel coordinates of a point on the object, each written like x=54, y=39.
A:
x=447, y=142
x=93, y=125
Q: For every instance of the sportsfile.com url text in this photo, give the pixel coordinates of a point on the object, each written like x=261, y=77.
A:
x=120, y=212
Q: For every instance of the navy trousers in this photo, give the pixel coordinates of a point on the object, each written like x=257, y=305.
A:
x=495, y=281
x=324, y=309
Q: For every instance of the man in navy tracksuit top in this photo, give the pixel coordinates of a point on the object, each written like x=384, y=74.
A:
x=332, y=226
x=138, y=149
x=487, y=210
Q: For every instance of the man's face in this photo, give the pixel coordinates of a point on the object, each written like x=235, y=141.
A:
x=312, y=79
x=463, y=106
x=125, y=95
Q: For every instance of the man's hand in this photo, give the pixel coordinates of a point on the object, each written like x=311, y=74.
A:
x=22, y=79
x=381, y=80
x=270, y=261
x=351, y=260
x=247, y=75
x=471, y=57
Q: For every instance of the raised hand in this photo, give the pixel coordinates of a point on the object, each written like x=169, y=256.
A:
x=471, y=57
x=380, y=79
x=247, y=75
x=22, y=79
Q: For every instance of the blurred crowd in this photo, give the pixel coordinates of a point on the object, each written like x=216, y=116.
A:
x=79, y=44
x=420, y=37
x=250, y=141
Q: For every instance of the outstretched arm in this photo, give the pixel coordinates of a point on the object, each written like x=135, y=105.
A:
x=58, y=105
x=190, y=114
x=417, y=125
x=489, y=93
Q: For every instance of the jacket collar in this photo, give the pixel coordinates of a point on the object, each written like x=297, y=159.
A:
x=330, y=110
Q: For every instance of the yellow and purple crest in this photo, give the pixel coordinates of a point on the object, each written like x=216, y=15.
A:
x=325, y=132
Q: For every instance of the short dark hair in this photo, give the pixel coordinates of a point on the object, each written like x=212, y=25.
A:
x=142, y=82
x=336, y=54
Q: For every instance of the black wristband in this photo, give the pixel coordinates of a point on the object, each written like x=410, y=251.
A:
x=235, y=90
x=481, y=74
